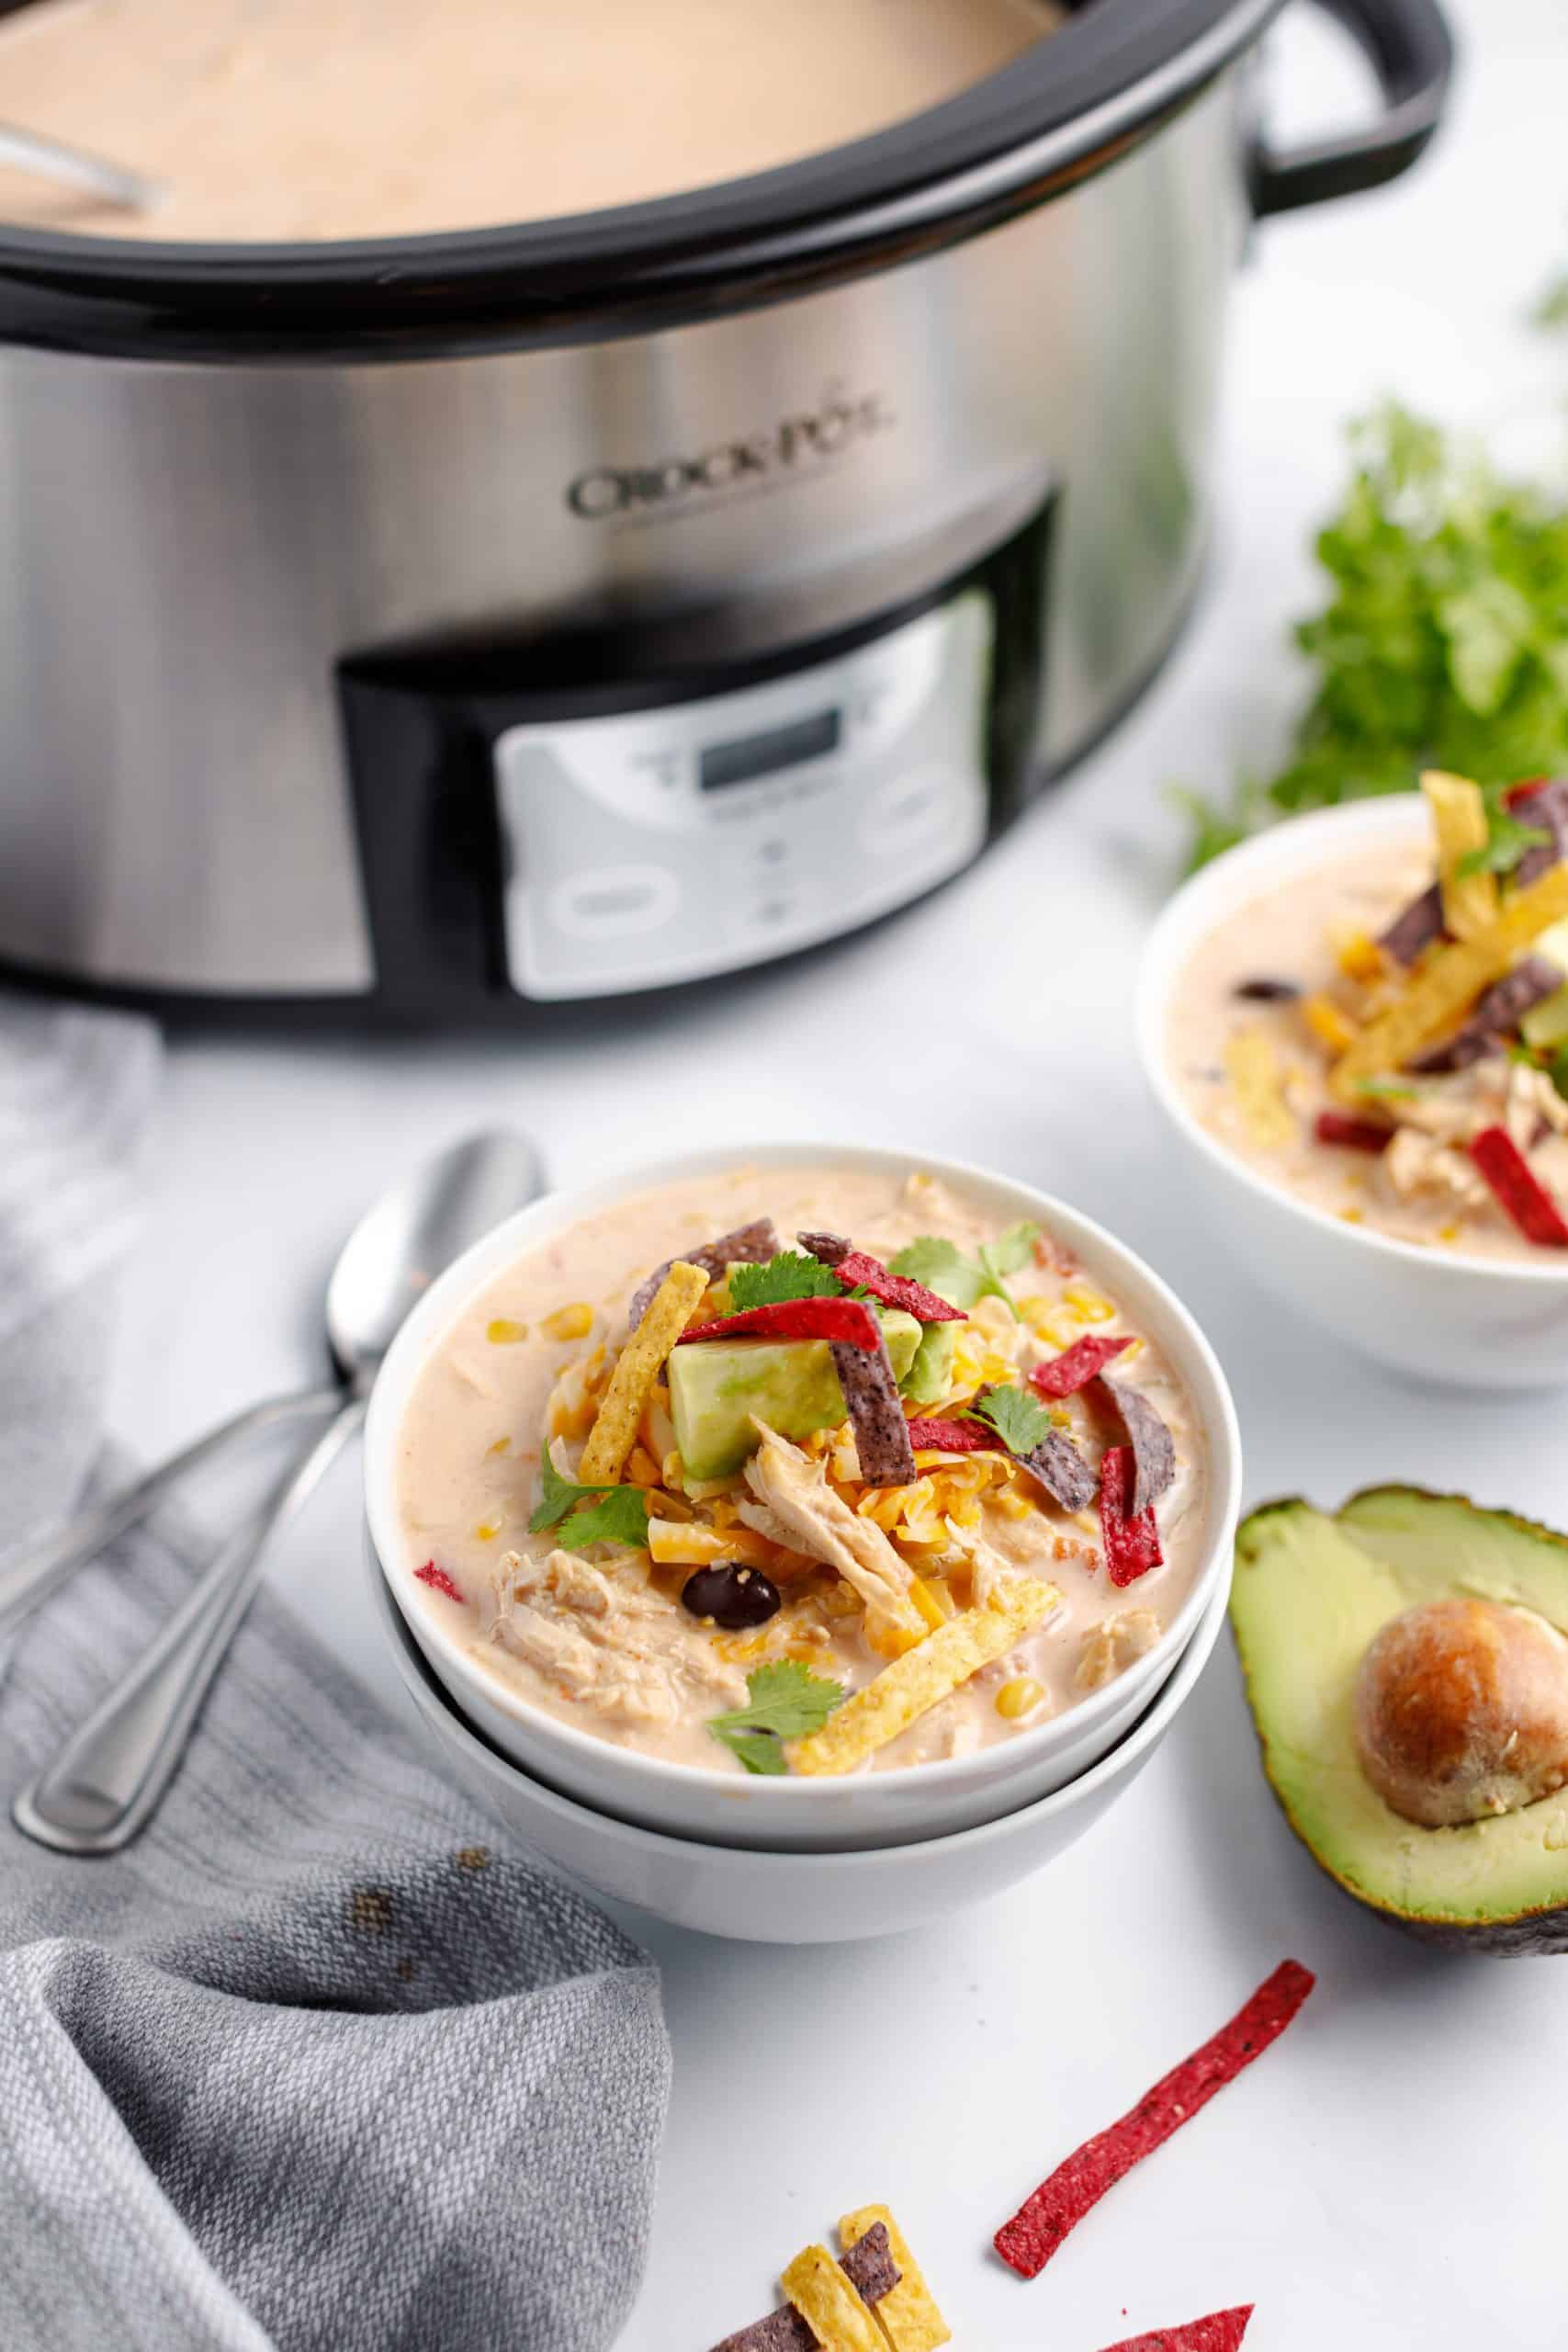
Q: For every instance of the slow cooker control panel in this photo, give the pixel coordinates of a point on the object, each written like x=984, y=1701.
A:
x=697, y=836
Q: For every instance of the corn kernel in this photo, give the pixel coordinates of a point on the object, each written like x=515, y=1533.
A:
x=1019, y=1697
x=501, y=1445
x=487, y=1530
x=1329, y=1024
x=1351, y=1216
x=1012, y=1505
x=1360, y=958
x=502, y=1332
x=1092, y=1305
x=573, y=1322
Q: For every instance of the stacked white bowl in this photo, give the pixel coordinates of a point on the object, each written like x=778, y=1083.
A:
x=777, y=1859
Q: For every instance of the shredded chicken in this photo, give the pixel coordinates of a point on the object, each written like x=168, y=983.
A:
x=1417, y=1165
x=990, y=1570
x=1110, y=1648
x=794, y=1489
x=620, y=1649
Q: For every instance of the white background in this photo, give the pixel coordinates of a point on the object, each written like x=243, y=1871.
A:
x=1392, y=2174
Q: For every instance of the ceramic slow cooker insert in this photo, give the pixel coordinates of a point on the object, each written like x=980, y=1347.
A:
x=452, y=626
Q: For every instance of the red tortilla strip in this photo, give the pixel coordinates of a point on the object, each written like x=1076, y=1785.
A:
x=1351, y=1134
x=1131, y=1538
x=844, y=1319
x=858, y=1272
x=1077, y=1365
x=1027, y=2243
x=1518, y=1189
x=954, y=1437
x=1221, y=2332
x=437, y=1579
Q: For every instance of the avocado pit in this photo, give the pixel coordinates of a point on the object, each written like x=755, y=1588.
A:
x=1460, y=1710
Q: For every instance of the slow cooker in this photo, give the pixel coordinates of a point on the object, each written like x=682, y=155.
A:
x=461, y=625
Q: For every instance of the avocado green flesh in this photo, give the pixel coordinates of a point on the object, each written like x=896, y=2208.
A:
x=930, y=1375
x=719, y=1389
x=1310, y=1593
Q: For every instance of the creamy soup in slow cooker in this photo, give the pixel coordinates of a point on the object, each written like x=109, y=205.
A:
x=295, y=119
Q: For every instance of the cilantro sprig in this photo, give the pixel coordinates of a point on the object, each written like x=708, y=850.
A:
x=1019, y=1419
x=1440, y=640
x=589, y=1514
x=1507, y=838
x=790, y=1275
x=786, y=1702
x=961, y=1280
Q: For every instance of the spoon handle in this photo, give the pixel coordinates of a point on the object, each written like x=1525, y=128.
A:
x=32, y=1574
x=108, y=1779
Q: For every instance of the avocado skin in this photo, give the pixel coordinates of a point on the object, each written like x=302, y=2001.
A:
x=1527, y=1934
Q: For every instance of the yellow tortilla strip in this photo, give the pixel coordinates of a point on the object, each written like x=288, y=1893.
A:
x=1435, y=997
x=829, y=2305
x=1459, y=821
x=908, y=2315
x=1253, y=1068
x=636, y=1374
x=913, y=1685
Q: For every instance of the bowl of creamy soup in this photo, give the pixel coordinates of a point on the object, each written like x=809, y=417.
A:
x=1358, y=1027
x=802, y=1496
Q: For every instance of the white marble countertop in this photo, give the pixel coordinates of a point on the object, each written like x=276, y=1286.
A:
x=1390, y=2175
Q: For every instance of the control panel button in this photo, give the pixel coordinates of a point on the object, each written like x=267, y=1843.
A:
x=615, y=902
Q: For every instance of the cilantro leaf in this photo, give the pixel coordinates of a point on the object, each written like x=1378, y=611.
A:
x=964, y=1281
x=1507, y=838
x=791, y=1274
x=1392, y=1090
x=942, y=1267
x=1557, y=1071
x=1441, y=641
x=786, y=1700
x=613, y=1514
x=1020, y=1419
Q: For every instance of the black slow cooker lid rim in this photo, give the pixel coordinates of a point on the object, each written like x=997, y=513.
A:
x=1119, y=67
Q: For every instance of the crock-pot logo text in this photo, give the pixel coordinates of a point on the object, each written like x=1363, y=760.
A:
x=809, y=438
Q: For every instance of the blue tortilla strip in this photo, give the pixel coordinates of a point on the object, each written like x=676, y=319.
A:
x=1154, y=1448
x=1500, y=1010
x=1062, y=1471
x=1547, y=806
x=1421, y=922
x=748, y=1245
x=876, y=1414
x=871, y=2270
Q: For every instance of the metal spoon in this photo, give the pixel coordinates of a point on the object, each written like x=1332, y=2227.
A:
x=31, y=151
x=107, y=1781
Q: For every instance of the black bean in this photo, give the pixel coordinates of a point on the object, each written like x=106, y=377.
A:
x=733, y=1596
x=1266, y=991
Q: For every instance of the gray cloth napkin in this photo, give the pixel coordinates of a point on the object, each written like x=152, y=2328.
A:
x=317, y=2061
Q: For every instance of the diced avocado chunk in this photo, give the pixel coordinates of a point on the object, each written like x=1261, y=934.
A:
x=902, y=1334
x=1310, y=1594
x=1546, y=1024
x=716, y=1386
x=930, y=1375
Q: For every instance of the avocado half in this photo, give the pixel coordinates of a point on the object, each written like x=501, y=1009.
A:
x=1310, y=1593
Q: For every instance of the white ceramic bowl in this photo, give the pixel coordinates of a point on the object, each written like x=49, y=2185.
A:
x=788, y=1898
x=863, y=1809
x=1476, y=1322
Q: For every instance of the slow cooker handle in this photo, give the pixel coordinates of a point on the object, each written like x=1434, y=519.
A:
x=1411, y=48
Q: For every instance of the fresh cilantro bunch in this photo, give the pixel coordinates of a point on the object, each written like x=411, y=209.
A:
x=786, y=1702
x=964, y=1281
x=1444, y=641
x=792, y=1274
x=608, y=1514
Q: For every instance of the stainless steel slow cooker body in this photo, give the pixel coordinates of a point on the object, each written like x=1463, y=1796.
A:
x=443, y=628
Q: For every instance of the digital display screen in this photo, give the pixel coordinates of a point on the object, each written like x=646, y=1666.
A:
x=782, y=747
